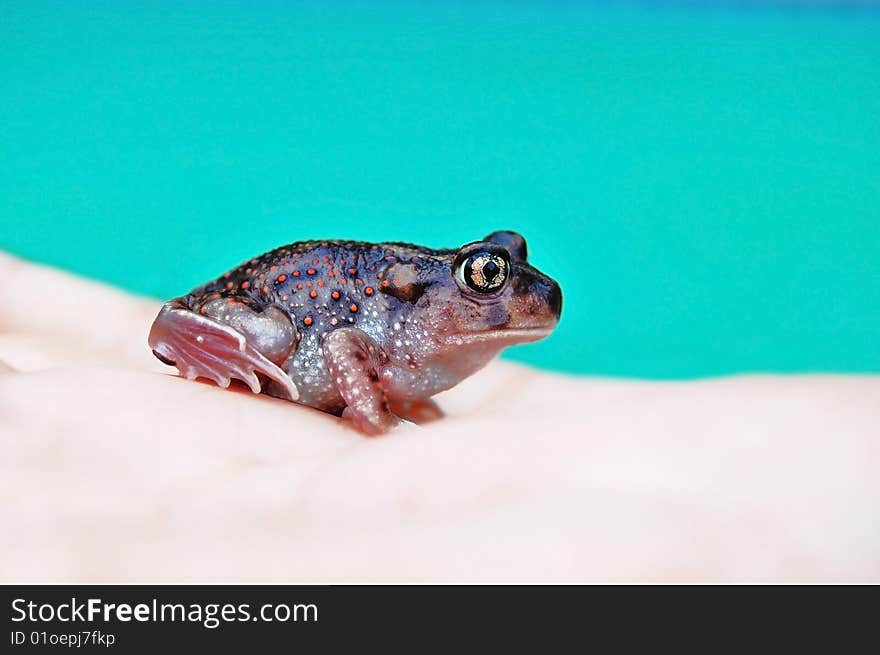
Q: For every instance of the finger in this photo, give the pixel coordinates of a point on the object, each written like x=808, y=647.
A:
x=5, y=368
x=505, y=387
x=52, y=317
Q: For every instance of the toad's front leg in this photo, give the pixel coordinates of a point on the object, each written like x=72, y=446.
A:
x=221, y=338
x=354, y=360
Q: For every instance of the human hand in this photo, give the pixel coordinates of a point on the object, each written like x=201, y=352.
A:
x=115, y=470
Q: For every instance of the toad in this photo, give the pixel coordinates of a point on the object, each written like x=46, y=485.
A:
x=369, y=331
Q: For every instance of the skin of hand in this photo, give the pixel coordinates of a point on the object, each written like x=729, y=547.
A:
x=114, y=470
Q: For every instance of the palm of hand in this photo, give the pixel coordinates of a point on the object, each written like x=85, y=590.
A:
x=114, y=470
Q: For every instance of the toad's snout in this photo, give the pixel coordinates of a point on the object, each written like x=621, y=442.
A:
x=554, y=300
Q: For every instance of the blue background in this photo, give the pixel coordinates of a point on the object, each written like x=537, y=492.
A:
x=704, y=181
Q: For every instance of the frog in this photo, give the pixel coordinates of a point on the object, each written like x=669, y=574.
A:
x=369, y=332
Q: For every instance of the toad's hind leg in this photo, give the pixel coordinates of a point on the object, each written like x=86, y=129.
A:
x=224, y=338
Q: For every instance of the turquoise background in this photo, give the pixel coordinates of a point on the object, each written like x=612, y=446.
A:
x=704, y=182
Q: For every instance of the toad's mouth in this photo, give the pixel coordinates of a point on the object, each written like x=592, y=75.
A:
x=510, y=335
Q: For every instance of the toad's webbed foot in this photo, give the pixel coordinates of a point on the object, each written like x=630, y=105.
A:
x=225, y=338
x=417, y=411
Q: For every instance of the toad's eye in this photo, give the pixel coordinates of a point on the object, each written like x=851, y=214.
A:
x=484, y=271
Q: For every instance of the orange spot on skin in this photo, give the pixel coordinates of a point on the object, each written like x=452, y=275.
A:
x=335, y=295
x=369, y=291
x=299, y=286
x=384, y=283
x=307, y=321
x=296, y=274
x=313, y=294
x=245, y=284
x=281, y=278
x=353, y=308
x=311, y=271
x=352, y=271
x=315, y=260
x=320, y=283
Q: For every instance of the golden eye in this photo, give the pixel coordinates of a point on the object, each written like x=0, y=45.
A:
x=484, y=272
